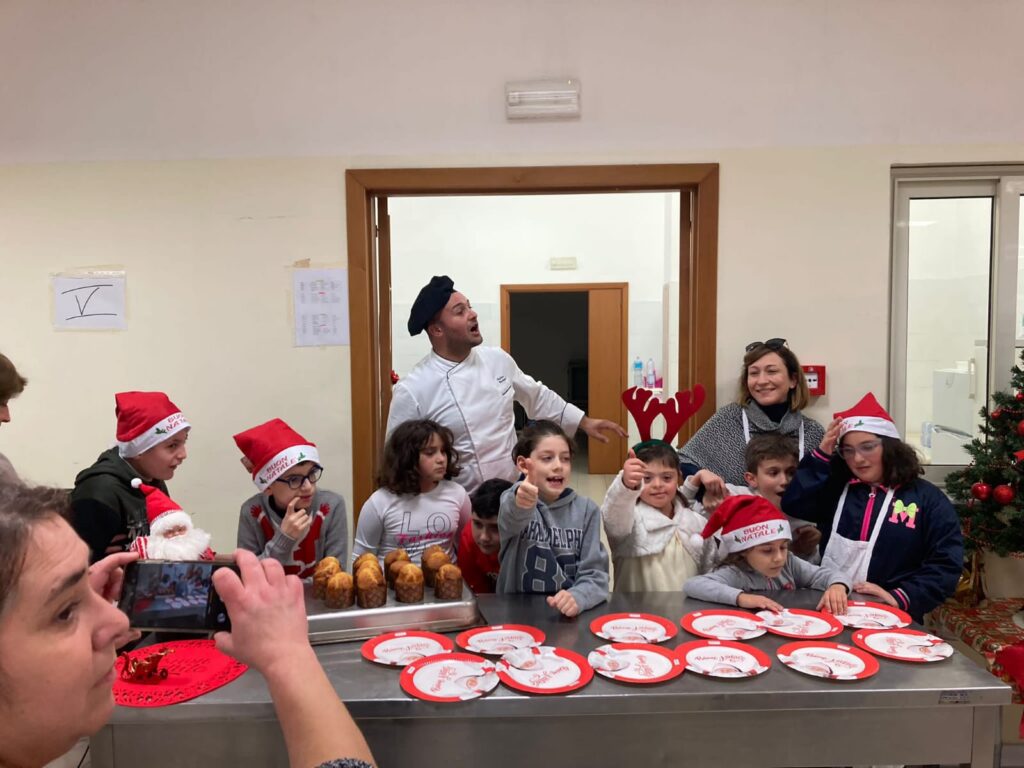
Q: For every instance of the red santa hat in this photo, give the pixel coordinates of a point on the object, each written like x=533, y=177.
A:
x=162, y=513
x=745, y=522
x=273, y=448
x=867, y=416
x=145, y=419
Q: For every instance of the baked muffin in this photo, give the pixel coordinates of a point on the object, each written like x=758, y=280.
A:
x=432, y=562
x=366, y=557
x=409, y=583
x=371, y=591
x=448, y=583
x=393, y=571
x=429, y=551
x=327, y=567
x=340, y=592
x=392, y=556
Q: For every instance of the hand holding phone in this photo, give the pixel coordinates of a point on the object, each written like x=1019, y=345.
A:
x=174, y=596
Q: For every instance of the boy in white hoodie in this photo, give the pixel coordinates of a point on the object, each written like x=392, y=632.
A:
x=655, y=536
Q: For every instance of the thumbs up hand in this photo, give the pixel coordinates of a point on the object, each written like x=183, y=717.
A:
x=633, y=472
x=526, y=493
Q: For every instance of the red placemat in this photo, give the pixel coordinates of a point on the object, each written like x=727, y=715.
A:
x=194, y=667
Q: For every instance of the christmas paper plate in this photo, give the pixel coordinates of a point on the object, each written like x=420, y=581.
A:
x=544, y=669
x=449, y=677
x=832, y=661
x=500, y=638
x=723, y=659
x=639, y=663
x=721, y=624
x=396, y=649
x=863, y=615
x=633, y=628
x=796, y=622
x=903, y=644
x=168, y=673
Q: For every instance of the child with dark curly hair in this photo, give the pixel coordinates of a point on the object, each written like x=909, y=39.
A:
x=417, y=504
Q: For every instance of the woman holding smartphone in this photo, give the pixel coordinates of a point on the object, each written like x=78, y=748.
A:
x=59, y=634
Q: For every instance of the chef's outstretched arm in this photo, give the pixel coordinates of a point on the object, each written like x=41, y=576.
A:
x=596, y=428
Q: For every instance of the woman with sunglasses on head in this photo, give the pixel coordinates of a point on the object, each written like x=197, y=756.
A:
x=893, y=534
x=771, y=394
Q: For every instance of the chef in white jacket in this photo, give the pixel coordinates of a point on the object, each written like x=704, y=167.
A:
x=470, y=389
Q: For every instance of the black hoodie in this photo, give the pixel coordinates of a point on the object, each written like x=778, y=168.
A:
x=104, y=505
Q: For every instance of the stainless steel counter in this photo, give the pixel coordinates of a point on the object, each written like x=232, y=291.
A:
x=946, y=712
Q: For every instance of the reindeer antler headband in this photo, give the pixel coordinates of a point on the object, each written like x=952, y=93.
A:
x=644, y=407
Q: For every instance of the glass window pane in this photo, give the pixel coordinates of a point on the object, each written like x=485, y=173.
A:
x=950, y=243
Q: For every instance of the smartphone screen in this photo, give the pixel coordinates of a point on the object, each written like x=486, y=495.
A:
x=178, y=596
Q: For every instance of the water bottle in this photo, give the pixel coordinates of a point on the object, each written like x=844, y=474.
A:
x=652, y=377
x=638, y=372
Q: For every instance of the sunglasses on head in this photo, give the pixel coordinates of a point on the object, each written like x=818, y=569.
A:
x=771, y=344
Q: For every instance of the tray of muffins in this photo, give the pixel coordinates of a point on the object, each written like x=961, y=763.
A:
x=387, y=596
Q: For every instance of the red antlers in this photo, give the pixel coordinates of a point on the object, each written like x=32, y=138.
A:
x=645, y=408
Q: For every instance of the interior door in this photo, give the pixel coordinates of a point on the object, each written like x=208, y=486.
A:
x=606, y=344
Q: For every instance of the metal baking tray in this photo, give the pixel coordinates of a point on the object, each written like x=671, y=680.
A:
x=331, y=625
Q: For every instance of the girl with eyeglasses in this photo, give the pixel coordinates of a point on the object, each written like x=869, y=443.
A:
x=893, y=534
x=771, y=395
x=290, y=519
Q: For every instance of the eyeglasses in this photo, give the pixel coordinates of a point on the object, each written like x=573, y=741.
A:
x=295, y=481
x=864, y=449
x=771, y=344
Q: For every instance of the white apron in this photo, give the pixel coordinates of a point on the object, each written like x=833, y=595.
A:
x=746, y=432
x=850, y=557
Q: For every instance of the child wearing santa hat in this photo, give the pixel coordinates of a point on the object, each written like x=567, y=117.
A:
x=107, y=510
x=290, y=519
x=894, y=535
x=171, y=533
x=755, y=545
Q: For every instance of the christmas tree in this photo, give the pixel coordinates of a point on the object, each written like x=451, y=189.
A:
x=989, y=494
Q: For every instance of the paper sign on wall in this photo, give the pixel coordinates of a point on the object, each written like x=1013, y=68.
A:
x=89, y=302
x=320, y=298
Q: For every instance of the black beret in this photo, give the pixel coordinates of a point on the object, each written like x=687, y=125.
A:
x=432, y=299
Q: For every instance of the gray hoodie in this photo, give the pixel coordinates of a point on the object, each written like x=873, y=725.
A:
x=552, y=547
x=727, y=582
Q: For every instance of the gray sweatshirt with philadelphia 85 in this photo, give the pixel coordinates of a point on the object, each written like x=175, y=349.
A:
x=551, y=547
x=727, y=582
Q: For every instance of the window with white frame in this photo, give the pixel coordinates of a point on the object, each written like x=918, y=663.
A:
x=957, y=301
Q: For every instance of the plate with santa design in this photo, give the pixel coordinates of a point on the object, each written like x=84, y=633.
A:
x=638, y=663
x=449, y=677
x=396, y=649
x=544, y=670
x=499, y=638
x=797, y=622
x=863, y=615
x=830, y=661
x=723, y=659
x=903, y=644
x=721, y=624
x=633, y=628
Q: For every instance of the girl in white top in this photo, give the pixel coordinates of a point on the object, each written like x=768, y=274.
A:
x=417, y=504
x=655, y=537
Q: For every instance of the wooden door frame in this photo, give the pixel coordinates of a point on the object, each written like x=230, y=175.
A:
x=698, y=268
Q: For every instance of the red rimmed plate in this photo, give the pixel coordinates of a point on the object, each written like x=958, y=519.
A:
x=500, y=638
x=721, y=624
x=449, y=677
x=396, y=649
x=633, y=628
x=796, y=622
x=723, y=659
x=544, y=670
x=862, y=615
x=638, y=663
x=831, y=661
x=903, y=644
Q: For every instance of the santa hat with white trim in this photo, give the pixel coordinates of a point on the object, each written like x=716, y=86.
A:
x=162, y=513
x=145, y=419
x=867, y=416
x=273, y=448
x=745, y=522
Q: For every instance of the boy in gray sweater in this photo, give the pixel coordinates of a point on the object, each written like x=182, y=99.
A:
x=550, y=537
x=755, y=543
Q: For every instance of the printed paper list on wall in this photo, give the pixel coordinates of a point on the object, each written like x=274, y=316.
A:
x=93, y=302
x=320, y=297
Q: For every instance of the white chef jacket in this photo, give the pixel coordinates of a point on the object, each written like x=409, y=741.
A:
x=474, y=400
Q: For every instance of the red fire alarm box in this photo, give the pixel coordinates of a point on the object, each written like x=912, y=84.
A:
x=815, y=375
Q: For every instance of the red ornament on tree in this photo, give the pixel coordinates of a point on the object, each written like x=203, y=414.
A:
x=1019, y=397
x=997, y=413
x=981, y=491
x=1003, y=494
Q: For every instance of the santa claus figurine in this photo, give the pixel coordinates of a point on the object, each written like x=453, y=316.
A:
x=171, y=533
